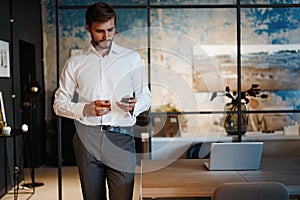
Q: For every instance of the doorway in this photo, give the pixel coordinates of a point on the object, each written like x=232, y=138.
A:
x=31, y=106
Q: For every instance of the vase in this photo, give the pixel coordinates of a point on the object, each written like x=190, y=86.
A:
x=231, y=119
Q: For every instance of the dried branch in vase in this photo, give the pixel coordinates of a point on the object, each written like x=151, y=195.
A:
x=254, y=91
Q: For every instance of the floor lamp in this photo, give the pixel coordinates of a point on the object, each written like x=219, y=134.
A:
x=32, y=90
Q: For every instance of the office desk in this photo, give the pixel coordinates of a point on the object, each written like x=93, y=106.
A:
x=284, y=170
x=189, y=178
x=181, y=178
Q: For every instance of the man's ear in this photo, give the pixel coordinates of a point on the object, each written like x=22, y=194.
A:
x=88, y=28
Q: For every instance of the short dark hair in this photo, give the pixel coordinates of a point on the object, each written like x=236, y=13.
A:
x=100, y=12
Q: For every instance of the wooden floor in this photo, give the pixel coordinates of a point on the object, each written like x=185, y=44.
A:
x=71, y=189
x=49, y=191
x=70, y=186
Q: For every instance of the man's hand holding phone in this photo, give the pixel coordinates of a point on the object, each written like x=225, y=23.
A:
x=127, y=103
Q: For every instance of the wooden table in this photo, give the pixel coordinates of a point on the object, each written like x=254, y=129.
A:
x=284, y=170
x=189, y=178
x=181, y=178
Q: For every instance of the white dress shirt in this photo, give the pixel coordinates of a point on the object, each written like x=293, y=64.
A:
x=91, y=77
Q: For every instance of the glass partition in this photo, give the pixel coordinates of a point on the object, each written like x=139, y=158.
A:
x=270, y=58
x=186, y=60
x=111, y=2
x=271, y=2
x=192, y=2
x=195, y=66
x=73, y=35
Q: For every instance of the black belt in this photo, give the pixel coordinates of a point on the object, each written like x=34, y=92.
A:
x=115, y=129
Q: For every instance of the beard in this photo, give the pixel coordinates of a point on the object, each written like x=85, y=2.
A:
x=103, y=44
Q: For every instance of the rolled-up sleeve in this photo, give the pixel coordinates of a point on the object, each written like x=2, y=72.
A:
x=63, y=105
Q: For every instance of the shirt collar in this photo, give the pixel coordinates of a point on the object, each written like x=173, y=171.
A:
x=114, y=49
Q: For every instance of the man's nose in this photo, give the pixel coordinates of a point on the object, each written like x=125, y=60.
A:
x=105, y=35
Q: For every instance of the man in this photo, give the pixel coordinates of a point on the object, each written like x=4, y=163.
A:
x=103, y=76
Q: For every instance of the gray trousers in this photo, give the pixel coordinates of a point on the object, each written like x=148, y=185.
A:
x=95, y=172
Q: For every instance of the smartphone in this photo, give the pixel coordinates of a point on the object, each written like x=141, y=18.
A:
x=126, y=99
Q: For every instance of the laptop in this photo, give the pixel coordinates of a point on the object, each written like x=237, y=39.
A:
x=235, y=156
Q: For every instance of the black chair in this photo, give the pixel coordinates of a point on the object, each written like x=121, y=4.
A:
x=199, y=151
x=251, y=191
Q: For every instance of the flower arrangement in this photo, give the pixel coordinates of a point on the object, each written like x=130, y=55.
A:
x=254, y=91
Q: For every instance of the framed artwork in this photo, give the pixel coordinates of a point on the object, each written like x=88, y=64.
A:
x=273, y=67
x=4, y=59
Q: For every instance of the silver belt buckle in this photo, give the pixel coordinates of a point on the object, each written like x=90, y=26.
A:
x=101, y=128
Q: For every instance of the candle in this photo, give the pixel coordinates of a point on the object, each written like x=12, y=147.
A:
x=2, y=107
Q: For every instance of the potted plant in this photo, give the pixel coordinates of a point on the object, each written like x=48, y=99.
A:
x=231, y=108
x=171, y=120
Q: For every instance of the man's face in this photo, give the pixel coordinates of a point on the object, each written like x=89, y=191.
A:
x=102, y=33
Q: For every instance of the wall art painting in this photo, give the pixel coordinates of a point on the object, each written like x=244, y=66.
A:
x=4, y=59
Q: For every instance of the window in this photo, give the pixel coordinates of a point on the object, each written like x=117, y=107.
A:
x=197, y=49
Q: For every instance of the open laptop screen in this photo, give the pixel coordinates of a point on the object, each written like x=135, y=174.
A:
x=235, y=156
